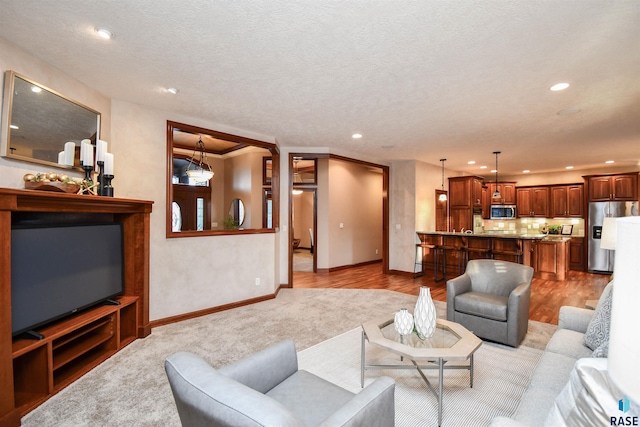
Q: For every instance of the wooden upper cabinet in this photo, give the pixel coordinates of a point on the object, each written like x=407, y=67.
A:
x=461, y=218
x=622, y=187
x=507, y=193
x=567, y=201
x=465, y=196
x=532, y=202
x=486, y=202
x=476, y=193
x=460, y=192
x=465, y=192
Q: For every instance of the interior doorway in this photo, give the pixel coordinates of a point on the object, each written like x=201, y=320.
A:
x=304, y=217
x=344, y=190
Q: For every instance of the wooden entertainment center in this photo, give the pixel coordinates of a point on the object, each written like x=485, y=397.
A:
x=31, y=371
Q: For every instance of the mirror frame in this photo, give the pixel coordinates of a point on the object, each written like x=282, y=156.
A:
x=274, y=187
x=7, y=112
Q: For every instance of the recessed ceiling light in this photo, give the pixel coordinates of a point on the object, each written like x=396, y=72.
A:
x=172, y=90
x=483, y=167
x=569, y=167
x=494, y=170
x=526, y=171
x=559, y=86
x=609, y=162
x=14, y=126
x=104, y=33
x=36, y=89
x=471, y=162
x=356, y=136
x=568, y=111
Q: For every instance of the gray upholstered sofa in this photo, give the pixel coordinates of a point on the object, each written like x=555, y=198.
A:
x=267, y=389
x=552, y=372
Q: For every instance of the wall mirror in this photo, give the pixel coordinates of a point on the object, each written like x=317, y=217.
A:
x=38, y=121
x=235, y=199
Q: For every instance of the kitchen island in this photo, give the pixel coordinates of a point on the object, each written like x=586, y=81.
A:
x=447, y=253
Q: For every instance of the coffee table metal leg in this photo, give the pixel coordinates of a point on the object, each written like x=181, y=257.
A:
x=362, y=361
x=471, y=372
x=440, y=389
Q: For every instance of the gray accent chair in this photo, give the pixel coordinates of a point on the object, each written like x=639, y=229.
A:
x=491, y=299
x=267, y=389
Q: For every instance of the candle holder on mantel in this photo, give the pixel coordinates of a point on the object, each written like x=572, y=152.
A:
x=107, y=189
x=101, y=184
x=87, y=172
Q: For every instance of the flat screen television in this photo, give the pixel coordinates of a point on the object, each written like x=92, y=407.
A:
x=59, y=269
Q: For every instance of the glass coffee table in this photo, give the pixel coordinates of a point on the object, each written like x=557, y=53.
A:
x=451, y=342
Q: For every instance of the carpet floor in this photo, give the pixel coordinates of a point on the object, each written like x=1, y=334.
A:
x=131, y=387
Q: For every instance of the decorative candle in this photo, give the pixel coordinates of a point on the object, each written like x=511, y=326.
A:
x=101, y=150
x=86, y=151
x=61, y=158
x=108, y=163
x=69, y=153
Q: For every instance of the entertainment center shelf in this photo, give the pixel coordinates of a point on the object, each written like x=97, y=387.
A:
x=31, y=371
x=69, y=348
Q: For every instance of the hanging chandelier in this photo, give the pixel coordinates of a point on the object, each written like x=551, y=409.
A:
x=496, y=194
x=443, y=195
x=199, y=170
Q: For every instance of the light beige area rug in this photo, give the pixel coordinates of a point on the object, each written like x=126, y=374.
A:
x=501, y=375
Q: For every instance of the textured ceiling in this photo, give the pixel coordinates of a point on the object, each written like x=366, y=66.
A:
x=419, y=79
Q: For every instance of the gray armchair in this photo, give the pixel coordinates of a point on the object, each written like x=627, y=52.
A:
x=491, y=299
x=267, y=389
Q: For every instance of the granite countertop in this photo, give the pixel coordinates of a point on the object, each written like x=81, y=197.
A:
x=545, y=237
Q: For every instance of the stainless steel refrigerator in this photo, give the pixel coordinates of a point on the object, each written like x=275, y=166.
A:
x=601, y=260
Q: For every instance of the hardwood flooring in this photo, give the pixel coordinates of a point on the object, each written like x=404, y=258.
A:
x=547, y=296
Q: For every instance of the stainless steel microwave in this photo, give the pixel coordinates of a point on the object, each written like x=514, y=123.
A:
x=503, y=212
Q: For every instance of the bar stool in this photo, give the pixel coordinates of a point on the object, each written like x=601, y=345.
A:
x=474, y=251
x=451, y=245
x=514, y=249
x=422, y=249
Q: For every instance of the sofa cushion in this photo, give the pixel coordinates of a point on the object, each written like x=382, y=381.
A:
x=569, y=343
x=598, y=329
x=480, y=304
x=310, y=397
x=589, y=397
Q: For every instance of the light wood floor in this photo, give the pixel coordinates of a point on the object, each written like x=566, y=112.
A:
x=547, y=296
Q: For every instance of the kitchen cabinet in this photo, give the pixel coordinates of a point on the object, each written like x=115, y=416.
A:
x=621, y=187
x=507, y=193
x=532, y=202
x=550, y=259
x=465, y=196
x=567, y=201
x=486, y=203
x=576, y=253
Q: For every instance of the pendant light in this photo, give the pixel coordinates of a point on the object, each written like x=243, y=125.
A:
x=200, y=171
x=496, y=194
x=443, y=195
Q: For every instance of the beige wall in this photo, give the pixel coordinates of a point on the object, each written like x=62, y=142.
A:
x=243, y=180
x=355, y=201
x=186, y=274
x=412, y=208
x=402, y=215
x=303, y=217
x=16, y=59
